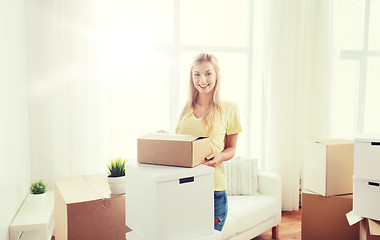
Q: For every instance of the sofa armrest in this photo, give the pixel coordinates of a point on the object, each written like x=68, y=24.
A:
x=270, y=184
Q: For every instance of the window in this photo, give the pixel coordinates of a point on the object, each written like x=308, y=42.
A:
x=177, y=30
x=356, y=81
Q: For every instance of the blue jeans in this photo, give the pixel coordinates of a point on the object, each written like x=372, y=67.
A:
x=220, y=209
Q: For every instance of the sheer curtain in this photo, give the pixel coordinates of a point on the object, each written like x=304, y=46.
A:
x=68, y=90
x=296, y=86
x=91, y=78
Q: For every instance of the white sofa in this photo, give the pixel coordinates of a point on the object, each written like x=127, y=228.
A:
x=250, y=216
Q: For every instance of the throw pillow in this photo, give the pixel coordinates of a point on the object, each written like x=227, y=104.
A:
x=241, y=176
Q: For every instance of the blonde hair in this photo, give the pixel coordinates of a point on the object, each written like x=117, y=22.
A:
x=215, y=110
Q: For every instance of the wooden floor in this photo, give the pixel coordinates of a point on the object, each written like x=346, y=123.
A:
x=290, y=227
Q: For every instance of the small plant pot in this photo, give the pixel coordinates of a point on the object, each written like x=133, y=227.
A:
x=117, y=185
x=38, y=200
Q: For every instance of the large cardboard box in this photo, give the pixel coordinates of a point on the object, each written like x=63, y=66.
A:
x=325, y=218
x=369, y=230
x=367, y=157
x=367, y=198
x=173, y=149
x=84, y=209
x=169, y=203
x=328, y=166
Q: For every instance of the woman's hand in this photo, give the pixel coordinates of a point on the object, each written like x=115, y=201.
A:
x=162, y=131
x=229, y=151
x=213, y=159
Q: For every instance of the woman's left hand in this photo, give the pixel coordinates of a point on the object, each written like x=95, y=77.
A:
x=213, y=159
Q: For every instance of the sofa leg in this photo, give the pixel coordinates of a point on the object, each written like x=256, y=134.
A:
x=275, y=232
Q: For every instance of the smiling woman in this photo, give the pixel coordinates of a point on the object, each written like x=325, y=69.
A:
x=205, y=114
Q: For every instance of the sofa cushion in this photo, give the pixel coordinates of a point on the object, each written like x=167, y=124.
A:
x=249, y=211
x=229, y=229
x=241, y=176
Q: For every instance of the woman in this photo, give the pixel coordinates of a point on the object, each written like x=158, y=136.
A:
x=206, y=115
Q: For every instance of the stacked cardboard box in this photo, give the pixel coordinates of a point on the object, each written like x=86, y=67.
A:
x=366, y=180
x=167, y=203
x=173, y=149
x=169, y=194
x=327, y=190
x=324, y=217
x=328, y=167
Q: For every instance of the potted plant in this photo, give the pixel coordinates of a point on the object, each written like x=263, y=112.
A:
x=38, y=192
x=116, y=176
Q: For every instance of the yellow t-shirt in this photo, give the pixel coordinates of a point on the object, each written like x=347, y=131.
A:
x=229, y=124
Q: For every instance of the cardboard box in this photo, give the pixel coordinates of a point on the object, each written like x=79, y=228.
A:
x=169, y=203
x=84, y=209
x=369, y=230
x=367, y=157
x=328, y=167
x=325, y=218
x=366, y=198
x=173, y=149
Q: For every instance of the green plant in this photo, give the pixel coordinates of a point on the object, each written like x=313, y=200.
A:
x=116, y=167
x=38, y=187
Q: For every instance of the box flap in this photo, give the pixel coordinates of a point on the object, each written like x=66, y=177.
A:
x=374, y=227
x=170, y=137
x=83, y=188
x=352, y=218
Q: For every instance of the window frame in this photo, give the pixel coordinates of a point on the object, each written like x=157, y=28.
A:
x=362, y=57
x=174, y=50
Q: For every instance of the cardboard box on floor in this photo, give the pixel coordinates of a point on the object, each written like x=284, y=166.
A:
x=84, y=209
x=328, y=166
x=369, y=229
x=173, y=149
x=325, y=218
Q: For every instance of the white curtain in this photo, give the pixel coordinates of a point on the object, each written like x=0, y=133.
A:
x=91, y=79
x=296, y=86
x=68, y=89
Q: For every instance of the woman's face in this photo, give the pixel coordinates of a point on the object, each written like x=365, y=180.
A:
x=204, y=77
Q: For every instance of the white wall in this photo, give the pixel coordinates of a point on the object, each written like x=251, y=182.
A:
x=15, y=165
